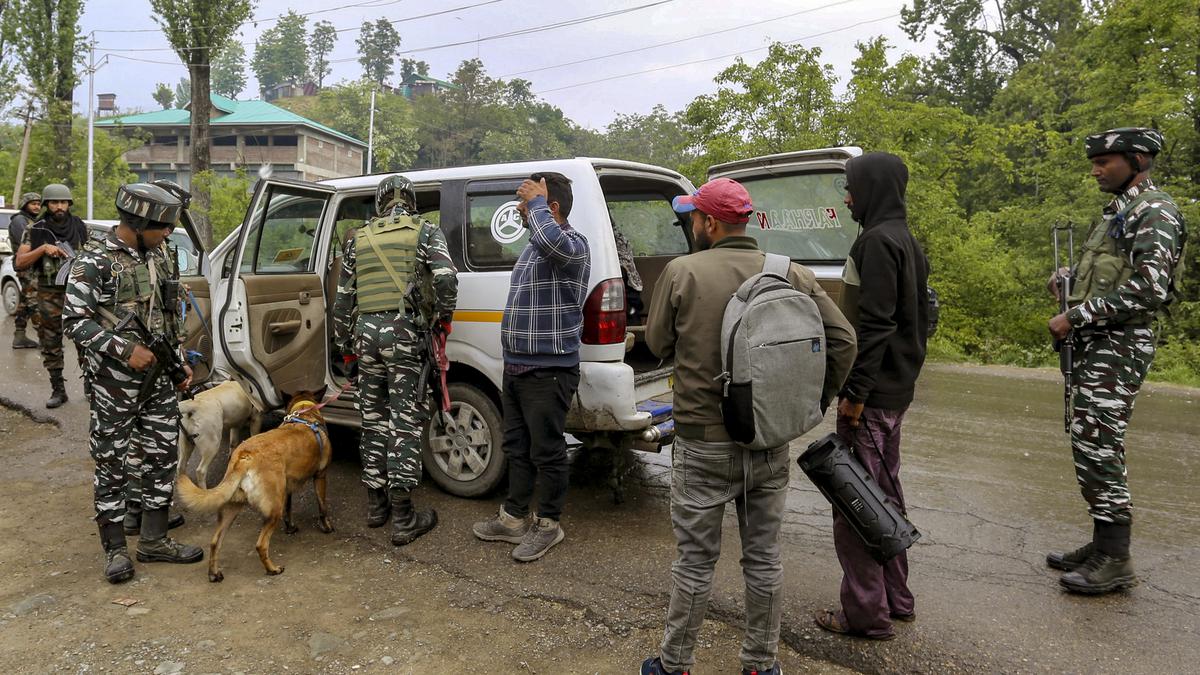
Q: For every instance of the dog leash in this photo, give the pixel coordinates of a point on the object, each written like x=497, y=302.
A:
x=328, y=399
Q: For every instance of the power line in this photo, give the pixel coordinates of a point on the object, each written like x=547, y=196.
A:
x=712, y=58
x=368, y=3
x=675, y=42
x=336, y=30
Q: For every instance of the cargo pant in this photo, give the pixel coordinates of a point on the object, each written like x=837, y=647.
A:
x=50, y=330
x=705, y=476
x=390, y=357
x=27, y=303
x=872, y=593
x=1109, y=368
x=120, y=426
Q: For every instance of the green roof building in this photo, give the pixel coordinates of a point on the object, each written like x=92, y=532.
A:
x=243, y=134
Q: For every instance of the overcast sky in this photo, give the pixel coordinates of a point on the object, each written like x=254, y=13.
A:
x=680, y=71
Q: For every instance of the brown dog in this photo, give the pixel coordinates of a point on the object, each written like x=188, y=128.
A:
x=263, y=472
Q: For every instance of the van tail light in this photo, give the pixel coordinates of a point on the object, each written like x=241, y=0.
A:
x=604, y=314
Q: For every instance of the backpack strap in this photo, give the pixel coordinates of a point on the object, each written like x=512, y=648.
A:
x=776, y=264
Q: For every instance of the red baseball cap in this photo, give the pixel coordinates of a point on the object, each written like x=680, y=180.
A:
x=724, y=199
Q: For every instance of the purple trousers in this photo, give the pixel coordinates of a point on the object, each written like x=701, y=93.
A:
x=873, y=593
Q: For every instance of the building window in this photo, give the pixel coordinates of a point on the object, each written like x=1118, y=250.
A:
x=165, y=140
x=230, y=140
x=257, y=141
x=288, y=141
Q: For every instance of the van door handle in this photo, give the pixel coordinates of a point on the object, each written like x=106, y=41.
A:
x=284, y=327
x=305, y=297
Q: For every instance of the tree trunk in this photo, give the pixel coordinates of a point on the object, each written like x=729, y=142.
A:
x=201, y=107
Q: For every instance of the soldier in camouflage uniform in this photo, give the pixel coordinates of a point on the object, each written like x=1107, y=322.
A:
x=398, y=280
x=28, y=207
x=129, y=276
x=45, y=250
x=1125, y=277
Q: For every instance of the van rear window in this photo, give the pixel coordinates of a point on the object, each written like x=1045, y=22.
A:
x=802, y=216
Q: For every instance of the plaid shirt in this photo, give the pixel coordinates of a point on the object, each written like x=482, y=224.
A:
x=543, y=318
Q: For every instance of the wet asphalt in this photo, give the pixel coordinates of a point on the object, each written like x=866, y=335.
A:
x=988, y=476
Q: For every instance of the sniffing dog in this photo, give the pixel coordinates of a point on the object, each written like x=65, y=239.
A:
x=263, y=472
x=205, y=421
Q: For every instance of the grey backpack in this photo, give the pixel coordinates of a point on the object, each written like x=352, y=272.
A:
x=772, y=360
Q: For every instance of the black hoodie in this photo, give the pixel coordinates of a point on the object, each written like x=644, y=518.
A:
x=893, y=304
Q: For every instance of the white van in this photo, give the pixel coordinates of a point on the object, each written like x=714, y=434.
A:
x=267, y=293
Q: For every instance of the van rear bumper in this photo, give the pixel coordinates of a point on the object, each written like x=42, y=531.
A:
x=609, y=394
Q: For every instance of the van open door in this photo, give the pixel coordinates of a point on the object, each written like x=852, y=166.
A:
x=271, y=325
x=799, y=210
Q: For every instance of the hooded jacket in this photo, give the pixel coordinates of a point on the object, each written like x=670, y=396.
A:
x=891, y=311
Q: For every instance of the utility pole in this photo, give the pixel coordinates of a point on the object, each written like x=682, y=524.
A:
x=91, y=70
x=371, y=135
x=24, y=153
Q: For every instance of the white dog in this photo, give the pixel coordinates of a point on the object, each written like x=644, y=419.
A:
x=208, y=419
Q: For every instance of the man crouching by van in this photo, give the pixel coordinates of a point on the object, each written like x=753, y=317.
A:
x=709, y=469
x=540, y=333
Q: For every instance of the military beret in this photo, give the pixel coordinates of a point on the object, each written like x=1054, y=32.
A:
x=1125, y=139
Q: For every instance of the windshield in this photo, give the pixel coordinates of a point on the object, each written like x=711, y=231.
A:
x=802, y=216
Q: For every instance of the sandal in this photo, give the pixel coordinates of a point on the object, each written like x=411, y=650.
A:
x=828, y=620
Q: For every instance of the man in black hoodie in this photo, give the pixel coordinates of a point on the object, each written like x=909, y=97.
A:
x=887, y=301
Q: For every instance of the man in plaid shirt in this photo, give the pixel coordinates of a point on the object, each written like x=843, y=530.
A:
x=540, y=334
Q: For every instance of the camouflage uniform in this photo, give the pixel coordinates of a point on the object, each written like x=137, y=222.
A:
x=27, y=301
x=116, y=279
x=1115, y=340
x=49, y=304
x=391, y=353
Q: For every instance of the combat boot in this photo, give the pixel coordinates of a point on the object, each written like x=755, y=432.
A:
x=1110, y=566
x=58, y=389
x=133, y=519
x=155, y=546
x=379, y=509
x=1069, y=561
x=21, y=341
x=117, y=565
x=409, y=523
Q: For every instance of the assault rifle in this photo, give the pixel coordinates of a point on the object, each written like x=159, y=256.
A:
x=166, y=355
x=1066, y=346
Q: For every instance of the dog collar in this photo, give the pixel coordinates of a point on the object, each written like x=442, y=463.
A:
x=316, y=428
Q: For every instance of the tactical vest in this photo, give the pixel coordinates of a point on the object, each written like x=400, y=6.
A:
x=133, y=290
x=394, y=239
x=1104, y=263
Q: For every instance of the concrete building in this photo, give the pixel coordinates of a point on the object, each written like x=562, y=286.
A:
x=245, y=134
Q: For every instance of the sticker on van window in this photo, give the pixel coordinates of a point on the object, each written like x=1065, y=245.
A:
x=288, y=255
x=796, y=220
x=506, y=223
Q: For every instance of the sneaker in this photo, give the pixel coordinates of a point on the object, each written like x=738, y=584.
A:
x=654, y=666
x=502, y=528
x=775, y=670
x=542, y=536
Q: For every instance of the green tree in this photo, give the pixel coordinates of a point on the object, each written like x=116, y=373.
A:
x=192, y=28
x=410, y=67
x=324, y=36
x=229, y=69
x=164, y=95
x=346, y=107
x=378, y=44
x=230, y=197
x=9, y=61
x=281, y=53
x=183, y=93
x=50, y=49
x=659, y=138
x=779, y=104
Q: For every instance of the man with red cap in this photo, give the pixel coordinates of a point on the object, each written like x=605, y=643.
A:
x=709, y=470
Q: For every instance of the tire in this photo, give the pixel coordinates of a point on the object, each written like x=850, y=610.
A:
x=12, y=297
x=449, y=465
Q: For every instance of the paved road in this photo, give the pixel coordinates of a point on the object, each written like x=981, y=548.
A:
x=987, y=473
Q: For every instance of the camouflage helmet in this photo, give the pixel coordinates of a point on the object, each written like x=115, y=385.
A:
x=57, y=192
x=145, y=206
x=28, y=197
x=395, y=189
x=1124, y=140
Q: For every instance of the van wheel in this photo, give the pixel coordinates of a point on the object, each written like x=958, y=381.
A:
x=467, y=461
